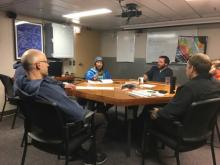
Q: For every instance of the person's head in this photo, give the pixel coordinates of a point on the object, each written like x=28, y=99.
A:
x=215, y=67
x=163, y=62
x=99, y=63
x=35, y=63
x=198, y=64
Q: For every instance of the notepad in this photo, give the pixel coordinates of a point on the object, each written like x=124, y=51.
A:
x=147, y=85
x=94, y=82
x=104, y=81
x=107, y=81
x=93, y=88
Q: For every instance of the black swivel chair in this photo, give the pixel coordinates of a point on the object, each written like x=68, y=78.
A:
x=192, y=133
x=9, y=96
x=49, y=130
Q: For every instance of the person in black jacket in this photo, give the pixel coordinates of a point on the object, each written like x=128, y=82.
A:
x=160, y=71
x=199, y=87
x=37, y=85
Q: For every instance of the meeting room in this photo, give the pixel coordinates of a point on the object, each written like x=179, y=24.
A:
x=114, y=82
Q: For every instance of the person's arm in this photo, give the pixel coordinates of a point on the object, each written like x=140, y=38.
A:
x=107, y=75
x=150, y=73
x=170, y=73
x=91, y=74
x=176, y=108
x=55, y=93
x=145, y=77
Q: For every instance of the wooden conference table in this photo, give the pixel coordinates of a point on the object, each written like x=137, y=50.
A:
x=113, y=94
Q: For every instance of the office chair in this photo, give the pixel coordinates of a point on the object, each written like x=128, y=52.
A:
x=194, y=130
x=50, y=131
x=217, y=130
x=9, y=96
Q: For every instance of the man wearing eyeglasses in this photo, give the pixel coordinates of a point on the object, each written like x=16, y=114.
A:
x=37, y=85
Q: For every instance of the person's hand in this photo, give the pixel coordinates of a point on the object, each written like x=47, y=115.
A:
x=145, y=77
x=70, y=86
x=95, y=77
x=154, y=114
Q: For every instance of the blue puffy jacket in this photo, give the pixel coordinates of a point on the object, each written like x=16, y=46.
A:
x=92, y=72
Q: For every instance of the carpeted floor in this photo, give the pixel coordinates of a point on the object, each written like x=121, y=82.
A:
x=11, y=152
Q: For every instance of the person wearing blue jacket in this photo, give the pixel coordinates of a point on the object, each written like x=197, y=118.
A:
x=38, y=86
x=97, y=72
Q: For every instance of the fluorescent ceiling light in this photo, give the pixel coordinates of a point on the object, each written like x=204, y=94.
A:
x=88, y=13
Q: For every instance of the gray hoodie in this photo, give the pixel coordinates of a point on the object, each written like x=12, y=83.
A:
x=19, y=70
x=50, y=90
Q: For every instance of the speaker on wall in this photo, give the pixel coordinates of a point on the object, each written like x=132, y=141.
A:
x=11, y=14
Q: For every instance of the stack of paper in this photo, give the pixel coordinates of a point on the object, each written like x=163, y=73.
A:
x=93, y=88
x=147, y=85
x=94, y=82
x=145, y=93
x=104, y=81
x=107, y=81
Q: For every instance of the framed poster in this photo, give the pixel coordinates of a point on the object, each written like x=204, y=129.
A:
x=27, y=36
x=189, y=45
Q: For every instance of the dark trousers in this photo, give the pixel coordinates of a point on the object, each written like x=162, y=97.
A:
x=144, y=122
x=100, y=129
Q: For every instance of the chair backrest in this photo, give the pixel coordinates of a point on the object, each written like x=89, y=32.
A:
x=8, y=84
x=200, y=119
x=45, y=116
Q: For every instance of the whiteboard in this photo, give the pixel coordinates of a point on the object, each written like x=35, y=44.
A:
x=125, y=46
x=165, y=43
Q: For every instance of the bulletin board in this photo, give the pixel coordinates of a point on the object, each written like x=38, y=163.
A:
x=27, y=36
x=188, y=46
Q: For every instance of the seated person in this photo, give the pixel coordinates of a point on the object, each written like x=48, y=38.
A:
x=215, y=70
x=197, y=70
x=37, y=85
x=97, y=72
x=159, y=72
x=20, y=71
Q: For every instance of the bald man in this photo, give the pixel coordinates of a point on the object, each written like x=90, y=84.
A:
x=37, y=85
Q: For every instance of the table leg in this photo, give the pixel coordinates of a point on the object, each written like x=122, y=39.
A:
x=129, y=117
x=128, y=153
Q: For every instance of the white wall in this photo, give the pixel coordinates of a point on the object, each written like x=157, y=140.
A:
x=6, y=52
x=213, y=33
x=108, y=41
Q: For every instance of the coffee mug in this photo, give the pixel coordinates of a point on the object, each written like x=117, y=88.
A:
x=141, y=80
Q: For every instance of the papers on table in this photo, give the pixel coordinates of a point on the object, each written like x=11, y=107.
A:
x=145, y=93
x=104, y=81
x=107, y=81
x=147, y=85
x=93, y=88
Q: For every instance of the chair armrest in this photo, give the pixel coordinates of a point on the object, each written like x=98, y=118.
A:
x=179, y=127
x=177, y=123
x=75, y=128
